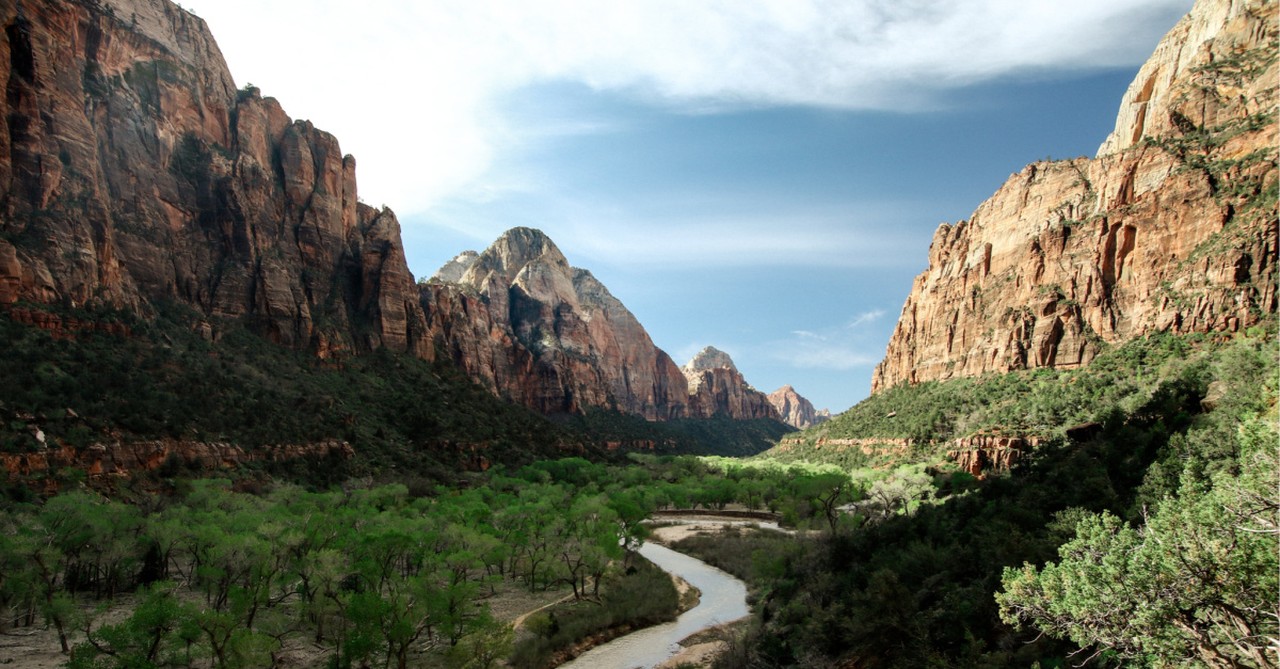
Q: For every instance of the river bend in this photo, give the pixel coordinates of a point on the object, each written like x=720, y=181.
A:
x=724, y=599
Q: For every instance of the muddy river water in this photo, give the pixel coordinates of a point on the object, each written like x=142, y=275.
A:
x=724, y=599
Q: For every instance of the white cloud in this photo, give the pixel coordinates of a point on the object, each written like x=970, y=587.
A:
x=408, y=86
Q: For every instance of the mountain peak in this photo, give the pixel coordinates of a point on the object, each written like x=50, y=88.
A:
x=510, y=254
x=710, y=358
x=795, y=410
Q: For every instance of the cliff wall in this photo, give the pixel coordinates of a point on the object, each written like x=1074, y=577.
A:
x=132, y=171
x=1171, y=226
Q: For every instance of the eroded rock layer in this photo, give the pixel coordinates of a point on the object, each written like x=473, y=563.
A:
x=1170, y=227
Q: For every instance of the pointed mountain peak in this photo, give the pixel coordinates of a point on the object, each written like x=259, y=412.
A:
x=710, y=358
x=514, y=250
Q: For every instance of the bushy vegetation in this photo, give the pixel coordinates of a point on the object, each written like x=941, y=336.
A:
x=1166, y=509
x=1151, y=543
x=1042, y=402
x=687, y=436
x=164, y=381
x=403, y=416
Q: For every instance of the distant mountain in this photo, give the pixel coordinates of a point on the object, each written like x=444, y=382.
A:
x=1171, y=227
x=717, y=388
x=523, y=322
x=795, y=410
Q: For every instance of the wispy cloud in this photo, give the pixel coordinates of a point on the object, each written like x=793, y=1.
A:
x=410, y=87
x=864, y=318
x=851, y=346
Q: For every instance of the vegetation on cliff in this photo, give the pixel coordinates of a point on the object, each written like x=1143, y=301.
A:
x=105, y=377
x=160, y=379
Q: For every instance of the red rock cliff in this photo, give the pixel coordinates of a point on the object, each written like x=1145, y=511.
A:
x=132, y=171
x=1171, y=227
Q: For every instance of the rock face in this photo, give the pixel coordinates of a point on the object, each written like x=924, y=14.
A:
x=522, y=321
x=1171, y=227
x=795, y=410
x=716, y=388
x=132, y=172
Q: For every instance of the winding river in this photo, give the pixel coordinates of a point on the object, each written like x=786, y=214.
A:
x=724, y=599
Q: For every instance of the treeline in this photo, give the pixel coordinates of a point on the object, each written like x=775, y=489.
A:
x=162, y=380
x=158, y=378
x=369, y=574
x=1152, y=542
x=1042, y=402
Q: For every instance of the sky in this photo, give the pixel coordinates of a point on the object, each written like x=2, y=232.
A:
x=762, y=176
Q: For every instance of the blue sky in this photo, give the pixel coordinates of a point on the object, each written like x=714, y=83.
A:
x=763, y=176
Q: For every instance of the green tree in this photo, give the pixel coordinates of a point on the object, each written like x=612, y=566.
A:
x=1198, y=580
x=142, y=641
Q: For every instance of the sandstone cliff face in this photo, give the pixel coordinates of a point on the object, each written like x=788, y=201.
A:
x=1170, y=227
x=522, y=321
x=794, y=410
x=716, y=388
x=133, y=172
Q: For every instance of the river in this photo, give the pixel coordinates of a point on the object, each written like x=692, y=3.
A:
x=724, y=599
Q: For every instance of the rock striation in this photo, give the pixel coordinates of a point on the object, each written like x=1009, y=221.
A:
x=1170, y=227
x=717, y=388
x=134, y=173
x=794, y=410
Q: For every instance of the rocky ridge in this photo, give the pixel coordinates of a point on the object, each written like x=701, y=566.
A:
x=1170, y=227
x=795, y=410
